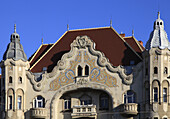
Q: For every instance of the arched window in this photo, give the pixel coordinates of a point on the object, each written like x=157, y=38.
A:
x=129, y=97
x=104, y=101
x=20, y=80
x=86, y=70
x=155, y=70
x=79, y=70
x=10, y=102
x=85, y=100
x=67, y=103
x=165, y=70
x=155, y=94
x=10, y=79
x=39, y=102
x=19, y=101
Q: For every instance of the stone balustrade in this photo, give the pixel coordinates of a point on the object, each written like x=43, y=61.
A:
x=39, y=112
x=84, y=110
x=130, y=109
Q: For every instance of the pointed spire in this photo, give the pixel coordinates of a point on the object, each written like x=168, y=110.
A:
x=110, y=22
x=132, y=32
x=14, y=28
x=67, y=27
x=158, y=15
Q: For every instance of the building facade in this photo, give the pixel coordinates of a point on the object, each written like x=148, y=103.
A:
x=88, y=74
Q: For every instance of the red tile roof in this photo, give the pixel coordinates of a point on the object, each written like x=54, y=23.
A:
x=134, y=44
x=38, y=54
x=107, y=40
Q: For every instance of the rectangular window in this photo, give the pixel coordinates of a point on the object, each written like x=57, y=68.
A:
x=67, y=104
x=19, y=102
x=155, y=94
x=164, y=94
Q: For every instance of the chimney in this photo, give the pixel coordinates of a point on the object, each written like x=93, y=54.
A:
x=141, y=42
x=122, y=34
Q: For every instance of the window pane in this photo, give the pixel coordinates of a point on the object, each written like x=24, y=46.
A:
x=164, y=94
x=19, y=102
x=155, y=94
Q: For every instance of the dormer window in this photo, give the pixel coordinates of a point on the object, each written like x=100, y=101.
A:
x=160, y=23
x=16, y=36
x=157, y=23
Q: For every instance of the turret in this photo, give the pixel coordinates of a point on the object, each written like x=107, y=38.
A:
x=156, y=72
x=13, y=83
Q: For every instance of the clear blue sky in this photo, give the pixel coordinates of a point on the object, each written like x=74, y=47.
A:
x=50, y=18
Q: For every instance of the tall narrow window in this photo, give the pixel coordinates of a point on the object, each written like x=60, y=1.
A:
x=155, y=90
x=67, y=104
x=10, y=79
x=79, y=70
x=10, y=102
x=19, y=102
x=86, y=70
x=104, y=101
x=165, y=70
x=155, y=70
x=129, y=97
x=20, y=80
x=164, y=94
x=85, y=100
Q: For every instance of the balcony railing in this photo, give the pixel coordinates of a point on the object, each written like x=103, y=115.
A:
x=84, y=111
x=130, y=109
x=39, y=112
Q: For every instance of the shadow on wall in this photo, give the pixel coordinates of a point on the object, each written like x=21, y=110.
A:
x=56, y=57
x=129, y=57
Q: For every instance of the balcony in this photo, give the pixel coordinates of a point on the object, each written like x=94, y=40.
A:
x=84, y=111
x=129, y=109
x=39, y=112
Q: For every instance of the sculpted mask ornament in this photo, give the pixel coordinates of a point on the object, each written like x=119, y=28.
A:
x=82, y=42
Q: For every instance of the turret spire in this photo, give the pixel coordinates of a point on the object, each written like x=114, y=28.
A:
x=158, y=15
x=14, y=28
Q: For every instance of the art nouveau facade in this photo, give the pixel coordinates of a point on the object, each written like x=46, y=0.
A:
x=83, y=83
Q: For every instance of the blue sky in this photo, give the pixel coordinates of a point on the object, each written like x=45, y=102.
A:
x=49, y=18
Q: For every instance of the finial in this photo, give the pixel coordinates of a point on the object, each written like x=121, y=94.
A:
x=42, y=41
x=110, y=22
x=67, y=27
x=14, y=28
x=158, y=15
x=132, y=32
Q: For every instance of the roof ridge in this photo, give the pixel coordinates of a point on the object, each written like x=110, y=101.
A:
x=90, y=28
x=35, y=53
x=126, y=42
x=137, y=42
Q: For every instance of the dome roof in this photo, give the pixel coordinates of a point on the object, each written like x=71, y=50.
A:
x=15, y=49
x=158, y=37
